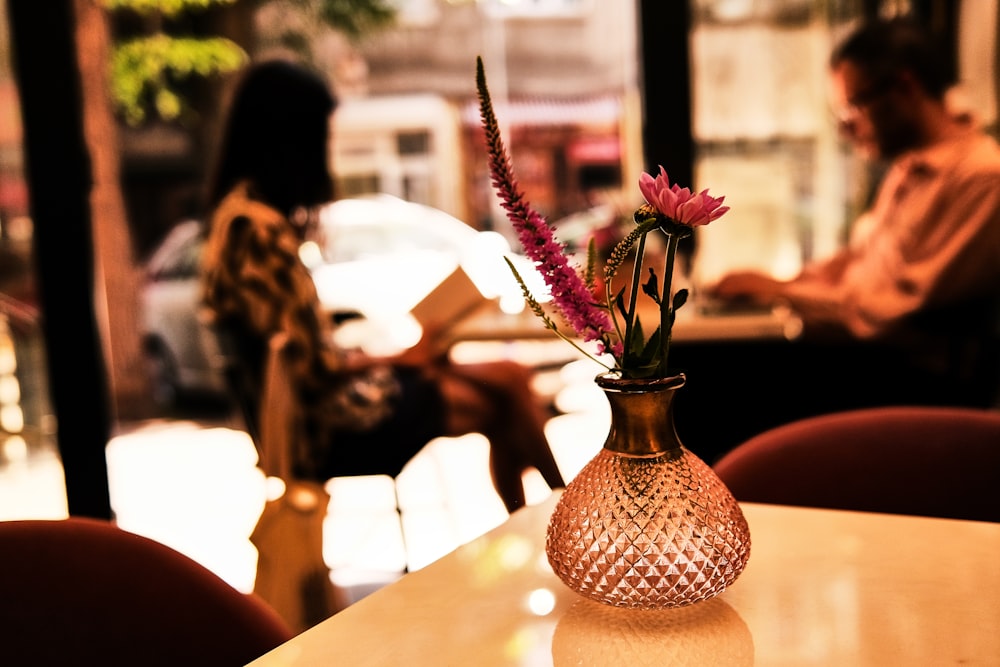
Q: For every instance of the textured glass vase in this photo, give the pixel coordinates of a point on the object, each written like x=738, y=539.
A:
x=646, y=524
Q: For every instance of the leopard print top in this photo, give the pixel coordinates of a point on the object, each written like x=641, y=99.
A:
x=254, y=280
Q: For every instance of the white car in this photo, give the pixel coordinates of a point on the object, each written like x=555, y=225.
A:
x=178, y=349
x=376, y=256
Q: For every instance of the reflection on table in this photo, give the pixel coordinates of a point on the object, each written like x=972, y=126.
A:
x=822, y=588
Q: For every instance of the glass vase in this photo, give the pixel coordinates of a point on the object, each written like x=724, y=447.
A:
x=646, y=524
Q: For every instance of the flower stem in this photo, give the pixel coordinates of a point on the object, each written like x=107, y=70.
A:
x=667, y=304
x=633, y=296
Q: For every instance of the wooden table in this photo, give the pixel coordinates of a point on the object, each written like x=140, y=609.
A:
x=692, y=325
x=821, y=588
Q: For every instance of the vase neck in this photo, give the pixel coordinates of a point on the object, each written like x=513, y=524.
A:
x=642, y=422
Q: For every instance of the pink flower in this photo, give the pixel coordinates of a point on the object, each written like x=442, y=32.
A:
x=678, y=203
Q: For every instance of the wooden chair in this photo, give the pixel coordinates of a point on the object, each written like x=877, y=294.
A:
x=292, y=575
x=927, y=461
x=291, y=572
x=84, y=592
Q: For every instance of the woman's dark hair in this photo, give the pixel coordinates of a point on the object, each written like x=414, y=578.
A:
x=276, y=137
x=884, y=48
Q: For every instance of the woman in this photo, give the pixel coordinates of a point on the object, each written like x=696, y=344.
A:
x=360, y=415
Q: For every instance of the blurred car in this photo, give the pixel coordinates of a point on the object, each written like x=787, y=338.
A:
x=177, y=348
x=373, y=258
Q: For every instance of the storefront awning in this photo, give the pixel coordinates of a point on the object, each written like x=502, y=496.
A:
x=548, y=112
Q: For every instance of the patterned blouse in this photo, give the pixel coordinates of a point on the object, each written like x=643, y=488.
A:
x=254, y=281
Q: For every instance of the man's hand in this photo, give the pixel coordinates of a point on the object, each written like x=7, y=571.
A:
x=748, y=286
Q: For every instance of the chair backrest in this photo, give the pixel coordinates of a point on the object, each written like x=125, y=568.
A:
x=926, y=461
x=258, y=378
x=241, y=361
x=85, y=592
x=291, y=572
x=280, y=441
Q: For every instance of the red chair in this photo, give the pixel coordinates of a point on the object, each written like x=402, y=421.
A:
x=926, y=461
x=85, y=592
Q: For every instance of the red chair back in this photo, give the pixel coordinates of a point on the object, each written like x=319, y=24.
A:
x=927, y=461
x=85, y=592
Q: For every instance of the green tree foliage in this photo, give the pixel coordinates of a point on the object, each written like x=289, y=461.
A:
x=297, y=24
x=151, y=69
x=145, y=71
x=354, y=17
x=164, y=7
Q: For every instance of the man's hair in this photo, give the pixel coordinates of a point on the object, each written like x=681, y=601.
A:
x=885, y=48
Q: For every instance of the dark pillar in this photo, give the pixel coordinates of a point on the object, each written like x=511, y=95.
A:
x=664, y=40
x=59, y=180
x=667, y=136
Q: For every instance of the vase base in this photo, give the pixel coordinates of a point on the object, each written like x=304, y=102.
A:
x=647, y=533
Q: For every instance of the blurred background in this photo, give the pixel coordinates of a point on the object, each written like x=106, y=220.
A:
x=109, y=110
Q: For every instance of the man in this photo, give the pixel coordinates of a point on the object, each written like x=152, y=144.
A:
x=907, y=311
x=931, y=239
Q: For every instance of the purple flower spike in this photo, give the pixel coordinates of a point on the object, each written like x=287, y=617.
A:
x=570, y=293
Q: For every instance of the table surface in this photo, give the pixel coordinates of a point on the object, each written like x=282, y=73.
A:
x=822, y=587
x=692, y=325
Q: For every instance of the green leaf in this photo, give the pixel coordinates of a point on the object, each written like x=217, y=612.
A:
x=680, y=298
x=643, y=362
x=651, y=351
x=620, y=302
x=651, y=287
x=634, y=348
